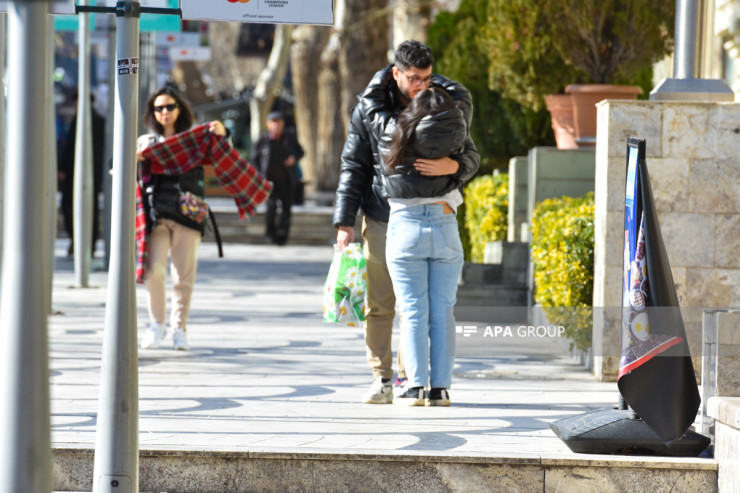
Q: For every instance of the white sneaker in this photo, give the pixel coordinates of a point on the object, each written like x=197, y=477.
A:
x=379, y=393
x=400, y=389
x=153, y=336
x=180, y=340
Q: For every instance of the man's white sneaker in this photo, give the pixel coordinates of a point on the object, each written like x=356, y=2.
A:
x=379, y=393
x=153, y=336
x=180, y=340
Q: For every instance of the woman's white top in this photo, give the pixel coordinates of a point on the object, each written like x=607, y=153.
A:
x=453, y=198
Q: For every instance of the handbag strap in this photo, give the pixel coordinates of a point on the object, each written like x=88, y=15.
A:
x=216, y=233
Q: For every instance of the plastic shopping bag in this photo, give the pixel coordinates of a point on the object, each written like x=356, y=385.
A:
x=344, y=290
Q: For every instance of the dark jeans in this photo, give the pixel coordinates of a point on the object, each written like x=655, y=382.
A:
x=67, y=207
x=282, y=192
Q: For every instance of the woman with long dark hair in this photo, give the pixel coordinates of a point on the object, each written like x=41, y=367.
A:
x=423, y=248
x=171, y=231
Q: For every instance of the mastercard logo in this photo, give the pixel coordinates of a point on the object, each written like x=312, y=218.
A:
x=240, y=1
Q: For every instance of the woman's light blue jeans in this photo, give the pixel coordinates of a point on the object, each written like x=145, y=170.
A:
x=425, y=259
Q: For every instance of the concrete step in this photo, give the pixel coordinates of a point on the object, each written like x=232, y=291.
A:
x=485, y=274
x=311, y=224
x=191, y=471
x=502, y=303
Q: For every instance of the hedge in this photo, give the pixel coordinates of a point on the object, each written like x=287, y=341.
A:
x=486, y=212
x=562, y=251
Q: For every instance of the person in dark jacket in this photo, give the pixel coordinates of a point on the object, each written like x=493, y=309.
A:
x=275, y=155
x=171, y=231
x=67, y=170
x=361, y=187
x=423, y=247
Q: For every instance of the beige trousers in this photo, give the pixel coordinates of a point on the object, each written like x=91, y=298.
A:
x=183, y=243
x=381, y=302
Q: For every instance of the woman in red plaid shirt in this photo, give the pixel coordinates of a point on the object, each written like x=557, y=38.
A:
x=174, y=219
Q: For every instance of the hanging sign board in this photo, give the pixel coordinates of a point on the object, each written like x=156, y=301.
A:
x=178, y=39
x=57, y=7
x=66, y=20
x=190, y=53
x=153, y=22
x=261, y=11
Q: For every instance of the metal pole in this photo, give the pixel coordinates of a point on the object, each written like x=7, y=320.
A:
x=148, y=79
x=107, y=179
x=3, y=23
x=82, y=206
x=684, y=85
x=684, y=54
x=25, y=455
x=51, y=178
x=117, y=440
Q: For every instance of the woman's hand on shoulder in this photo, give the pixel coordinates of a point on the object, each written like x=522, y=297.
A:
x=217, y=128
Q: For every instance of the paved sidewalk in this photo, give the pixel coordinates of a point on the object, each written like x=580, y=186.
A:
x=265, y=373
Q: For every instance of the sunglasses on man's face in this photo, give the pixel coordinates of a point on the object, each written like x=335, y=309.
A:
x=168, y=107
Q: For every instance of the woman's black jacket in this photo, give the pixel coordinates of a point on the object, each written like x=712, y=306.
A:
x=435, y=136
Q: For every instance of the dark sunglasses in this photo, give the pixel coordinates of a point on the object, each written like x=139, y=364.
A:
x=168, y=107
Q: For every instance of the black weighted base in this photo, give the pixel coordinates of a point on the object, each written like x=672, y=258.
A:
x=616, y=431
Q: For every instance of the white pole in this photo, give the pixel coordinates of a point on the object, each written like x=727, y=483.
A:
x=83, y=181
x=117, y=440
x=25, y=454
x=51, y=182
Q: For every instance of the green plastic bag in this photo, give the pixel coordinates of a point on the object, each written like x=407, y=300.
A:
x=346, y=283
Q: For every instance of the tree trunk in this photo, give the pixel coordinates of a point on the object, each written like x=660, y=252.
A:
x=349, y=57
x=270, y=80
x=230, y=74
x=308, y=43
x=363, y=27
x=331, y=129
x=411, y=20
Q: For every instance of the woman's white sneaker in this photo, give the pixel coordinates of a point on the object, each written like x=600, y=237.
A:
x=180, y=340
x=412, y=396
x=153, y=336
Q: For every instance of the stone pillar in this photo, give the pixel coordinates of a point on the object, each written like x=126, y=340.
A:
x=518, y=176
x=692, y=150
x=721, y=393
x=554, y=173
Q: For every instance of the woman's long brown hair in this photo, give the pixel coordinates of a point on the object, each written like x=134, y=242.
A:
x=428, y=102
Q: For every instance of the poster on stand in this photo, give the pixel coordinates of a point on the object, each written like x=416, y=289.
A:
x=656, y=375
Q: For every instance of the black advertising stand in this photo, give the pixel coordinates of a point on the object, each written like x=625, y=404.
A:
x=659, y=396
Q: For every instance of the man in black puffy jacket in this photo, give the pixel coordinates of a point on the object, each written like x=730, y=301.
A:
x=360, y=187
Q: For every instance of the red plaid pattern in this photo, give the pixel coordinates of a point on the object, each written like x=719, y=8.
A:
x=182, y=152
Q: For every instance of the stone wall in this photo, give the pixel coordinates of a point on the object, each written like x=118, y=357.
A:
x=517, y=215
x=693, y=157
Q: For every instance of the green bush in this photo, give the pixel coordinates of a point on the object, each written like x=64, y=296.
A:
x=562, y=252
x=486, y=212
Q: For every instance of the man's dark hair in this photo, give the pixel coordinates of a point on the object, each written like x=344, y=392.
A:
x=413, y=54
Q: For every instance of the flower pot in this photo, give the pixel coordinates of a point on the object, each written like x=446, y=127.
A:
x=560, y=107
x=585, y=97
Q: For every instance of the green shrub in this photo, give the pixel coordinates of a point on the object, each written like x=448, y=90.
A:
x=501, y=128
x=486, y=212
x=562, y=252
